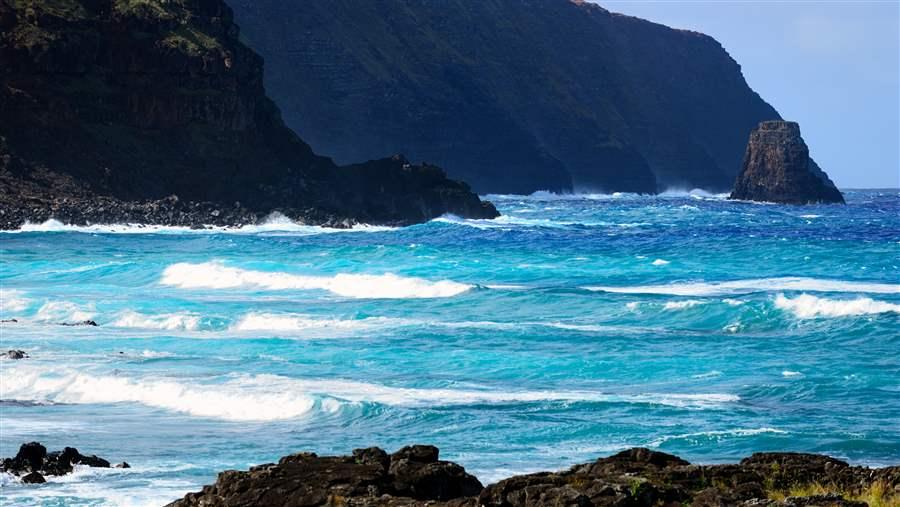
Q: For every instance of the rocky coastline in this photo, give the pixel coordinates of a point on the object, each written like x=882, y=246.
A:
x=154, y=112
x=414, y=475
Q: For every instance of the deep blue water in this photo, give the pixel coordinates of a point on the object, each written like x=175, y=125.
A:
x=566, y=330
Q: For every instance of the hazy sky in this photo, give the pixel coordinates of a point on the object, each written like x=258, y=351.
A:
x=832, y=66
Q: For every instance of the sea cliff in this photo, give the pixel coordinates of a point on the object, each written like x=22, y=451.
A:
x=115, y=110
x=512, y=96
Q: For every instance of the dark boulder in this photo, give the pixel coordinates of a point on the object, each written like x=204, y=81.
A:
x=410, y=476
x=89, y=323
x=33, y=478
x=14, y=354
x=33, y=457
x=777, y=168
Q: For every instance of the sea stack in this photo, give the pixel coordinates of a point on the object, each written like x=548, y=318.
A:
x=777, y=168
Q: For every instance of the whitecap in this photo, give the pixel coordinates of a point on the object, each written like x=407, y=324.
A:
x=717, y=435
x=64, y=312
x=168, y=321
x=236, y=400
x=681, y=305
x=789, y=373
x=660, y=262
x=288, y=323
x=12, y=300
x=215, y=275
x=806, y=306
x=273, y=397
x=752, y=285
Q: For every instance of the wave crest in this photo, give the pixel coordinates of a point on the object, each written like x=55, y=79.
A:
x=752, y=285
x=215, y=275
x=806, y=306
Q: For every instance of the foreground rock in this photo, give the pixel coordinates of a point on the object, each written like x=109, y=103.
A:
x=154, y=112
x=32, y=463
x=413, y=475
x=636, y=477
x=777, y=168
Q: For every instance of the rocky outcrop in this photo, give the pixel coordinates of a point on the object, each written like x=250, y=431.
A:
x=154, y=111
x=411, y=476
x=512, y=96
x=32, y=463
x=777, y=168
x=14, y=354
x=636, y=477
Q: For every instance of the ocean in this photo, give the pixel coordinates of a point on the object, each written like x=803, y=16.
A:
x=568, y=329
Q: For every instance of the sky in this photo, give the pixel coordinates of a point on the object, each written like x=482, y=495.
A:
x=832, y=66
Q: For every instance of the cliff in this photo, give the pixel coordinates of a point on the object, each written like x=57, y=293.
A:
x=155, y=111
x=414, y=476
x=509, y=95
x=777, y=168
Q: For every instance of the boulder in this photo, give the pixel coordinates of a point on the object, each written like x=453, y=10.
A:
x=33, y=457
x=14, y=354
x=777, y=168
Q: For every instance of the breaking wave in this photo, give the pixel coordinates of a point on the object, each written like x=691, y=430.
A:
x=273, y=397
x=806, y=306
x=169, y=322
x=215, y=275
x=752, y=285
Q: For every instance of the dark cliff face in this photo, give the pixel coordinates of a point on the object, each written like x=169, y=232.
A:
x=510, y=95
x=777, y=168
x=141, y=99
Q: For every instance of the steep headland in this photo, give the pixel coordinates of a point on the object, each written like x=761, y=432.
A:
x=154, y=111
x=512, y=96
x=777, y=168
x=636, y=477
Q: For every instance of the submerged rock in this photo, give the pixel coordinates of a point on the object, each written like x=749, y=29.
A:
x=14, y=354
x=777, y=168
x=637, y=477
x=33, y=462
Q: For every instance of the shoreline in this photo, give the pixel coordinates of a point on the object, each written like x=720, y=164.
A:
x=415, y=475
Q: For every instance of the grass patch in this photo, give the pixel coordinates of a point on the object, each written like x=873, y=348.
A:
x=877, y=494
x=190, y=40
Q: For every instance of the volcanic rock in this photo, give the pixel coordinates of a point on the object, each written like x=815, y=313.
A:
x=414, y=476
x=33, y=458
x=154, y=112
x=777, y=168
x=14, y=354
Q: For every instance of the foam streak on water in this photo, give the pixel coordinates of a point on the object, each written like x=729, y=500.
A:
x=572, y=327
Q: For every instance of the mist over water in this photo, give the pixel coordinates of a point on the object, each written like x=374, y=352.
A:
x=570, y=328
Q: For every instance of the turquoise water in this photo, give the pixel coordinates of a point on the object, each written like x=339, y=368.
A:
x=566, y=330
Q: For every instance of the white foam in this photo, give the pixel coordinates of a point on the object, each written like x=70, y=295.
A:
x=709, y=374
x=733, y=302
x=681, y=305
x=234, y=400
x=288, y=322
x=169, y=322
x=272, y=397
x=718, y=435
x=806, y=306
x=215, y=275
x=12, y=300
x=752, y=285
x=64, y=312
x=789, y=373
x=660, y=262
x=274, y=223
